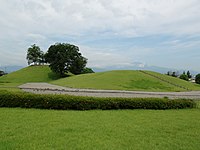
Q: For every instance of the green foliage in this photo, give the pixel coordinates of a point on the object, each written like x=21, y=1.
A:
x=174, y=74
x=87, y=70
x=188, y=74
x=35, y=55
x=65, y=57
x=2, y=73
x=63, y=102
x=197, y=79
x=184, y=77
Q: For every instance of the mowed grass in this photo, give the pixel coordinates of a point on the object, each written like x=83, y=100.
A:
x=190, y=86
x=25, y=75
x=96, y=129
x=123, y=80
x=111, y=80
x=122, y=129
x=30, y=74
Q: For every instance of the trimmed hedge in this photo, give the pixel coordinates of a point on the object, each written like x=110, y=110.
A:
x=67, y=102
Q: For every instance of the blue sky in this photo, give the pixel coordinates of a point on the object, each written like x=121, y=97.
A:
x=163, y=33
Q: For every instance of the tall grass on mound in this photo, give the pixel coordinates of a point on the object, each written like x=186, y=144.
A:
x=65, y=102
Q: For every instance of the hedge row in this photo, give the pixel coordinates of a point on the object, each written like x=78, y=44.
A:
x=65, y=102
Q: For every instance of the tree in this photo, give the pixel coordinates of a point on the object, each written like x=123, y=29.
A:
x=174, y=74
x=34, y=55
x=188, y=74
x=197, y=79
x=64, y=57
x=184, y=77
x=168, y=73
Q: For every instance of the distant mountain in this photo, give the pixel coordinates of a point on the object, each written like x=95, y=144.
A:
x=150, y=68
x=142, y=66
x=9, y=69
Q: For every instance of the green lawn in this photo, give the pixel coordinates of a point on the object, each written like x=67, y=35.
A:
x=122, y=129
x=123, y=80
x=25, y=75
x=29, y=74
x=190, y=86
x=112, y=80
x=117, y=129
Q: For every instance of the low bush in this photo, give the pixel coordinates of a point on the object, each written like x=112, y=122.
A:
x=65, y=102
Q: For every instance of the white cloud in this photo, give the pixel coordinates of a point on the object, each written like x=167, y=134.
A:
x=24, y=22
x=130, y=17
x=103, y=58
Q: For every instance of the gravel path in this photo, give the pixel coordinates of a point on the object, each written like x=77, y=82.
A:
x=45, y=88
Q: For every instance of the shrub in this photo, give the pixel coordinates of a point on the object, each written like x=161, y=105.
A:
x=64, y=102
x=87, y=70
x=184, y=77
x=197, y=79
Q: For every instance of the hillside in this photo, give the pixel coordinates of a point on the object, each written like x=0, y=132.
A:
x=30, y=74
x=126, y=80
x=114, y=80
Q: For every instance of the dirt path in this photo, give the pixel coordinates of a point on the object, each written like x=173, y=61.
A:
x=45, y=88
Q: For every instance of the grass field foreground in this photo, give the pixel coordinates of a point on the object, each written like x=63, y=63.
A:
x=125, y=129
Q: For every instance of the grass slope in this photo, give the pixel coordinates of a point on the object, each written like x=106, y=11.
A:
x=189, y=85
x=29, y=74
x=123, y=80
x=114, y=80
x=126, y=129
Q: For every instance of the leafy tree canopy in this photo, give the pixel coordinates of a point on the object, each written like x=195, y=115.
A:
x=64, y=58
x=35, y=55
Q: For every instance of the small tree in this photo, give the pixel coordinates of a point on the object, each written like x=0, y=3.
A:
x=188, y=74
x=34, y=55
x=174, y=74
x=197, y=79
x=168, y=73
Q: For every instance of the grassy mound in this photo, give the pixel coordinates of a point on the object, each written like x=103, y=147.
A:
x=112, y=80
x=183, y=83
x=125, y=80
x=30, y=74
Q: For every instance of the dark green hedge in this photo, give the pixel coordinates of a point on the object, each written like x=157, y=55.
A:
x=64, y=102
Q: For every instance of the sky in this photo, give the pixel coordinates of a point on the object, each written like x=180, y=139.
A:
x=163, y=33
